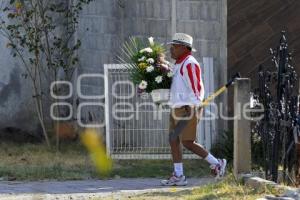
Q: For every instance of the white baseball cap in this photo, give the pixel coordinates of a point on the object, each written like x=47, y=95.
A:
x=183, y=39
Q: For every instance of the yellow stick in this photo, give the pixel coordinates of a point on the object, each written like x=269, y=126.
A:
x=214, y=95
x=219, y=91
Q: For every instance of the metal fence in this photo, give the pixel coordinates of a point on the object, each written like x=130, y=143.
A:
x=135, y=127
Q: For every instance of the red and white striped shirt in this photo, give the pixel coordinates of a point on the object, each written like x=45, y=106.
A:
x=187, y=86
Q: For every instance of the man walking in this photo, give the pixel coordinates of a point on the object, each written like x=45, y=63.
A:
x=187, y=93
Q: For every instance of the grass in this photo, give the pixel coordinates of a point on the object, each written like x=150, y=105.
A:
x=37, y=162
x=231, y=189
x=227, y=189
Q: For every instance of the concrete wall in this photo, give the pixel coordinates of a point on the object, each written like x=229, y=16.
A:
x=17, y=108
x=16, y=103
x=105, y=25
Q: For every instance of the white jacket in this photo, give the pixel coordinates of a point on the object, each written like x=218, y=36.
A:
x=187, y=86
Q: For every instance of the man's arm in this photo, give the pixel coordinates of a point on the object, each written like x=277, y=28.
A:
x=191, y=73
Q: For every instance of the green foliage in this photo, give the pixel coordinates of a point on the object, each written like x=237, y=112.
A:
x=138, y=56
x=223, y=148
x=257, y=151
x=41, y=34
x=35, y=33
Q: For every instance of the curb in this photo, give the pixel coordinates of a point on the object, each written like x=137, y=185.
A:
x=255, y=182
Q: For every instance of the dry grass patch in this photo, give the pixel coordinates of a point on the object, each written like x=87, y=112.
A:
x=37, y=162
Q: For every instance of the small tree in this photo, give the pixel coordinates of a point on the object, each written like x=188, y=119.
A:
x=41, y=34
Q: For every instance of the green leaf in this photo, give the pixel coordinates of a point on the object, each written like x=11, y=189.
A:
x=130, y=53
x=11, y=15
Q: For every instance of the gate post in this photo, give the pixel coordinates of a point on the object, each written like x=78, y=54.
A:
x=242, y=131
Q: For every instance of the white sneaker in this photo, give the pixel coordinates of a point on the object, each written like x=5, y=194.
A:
x=219, y=169
x=174, y=181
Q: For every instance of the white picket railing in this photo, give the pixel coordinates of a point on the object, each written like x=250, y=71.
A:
x=144, y=133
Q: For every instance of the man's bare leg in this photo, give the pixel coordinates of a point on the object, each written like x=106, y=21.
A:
x=176, y=150
x=195, y=148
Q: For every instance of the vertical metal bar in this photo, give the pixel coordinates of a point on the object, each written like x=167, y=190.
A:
x=107, y=100
x=174, y=16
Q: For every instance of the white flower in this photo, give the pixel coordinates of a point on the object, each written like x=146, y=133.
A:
x=170, y=74
x=142, y=59
x=151, y=41
x=148, y=50
x=143, y=85
x=158, y=79
x=150, y=68
x=150, y=60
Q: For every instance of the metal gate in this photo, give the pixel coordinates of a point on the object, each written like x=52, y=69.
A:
x=138, y=129
x=278, y=130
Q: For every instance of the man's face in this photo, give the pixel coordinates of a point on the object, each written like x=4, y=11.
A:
x=177, y=50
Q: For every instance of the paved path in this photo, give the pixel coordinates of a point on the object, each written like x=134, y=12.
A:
x=87, y=189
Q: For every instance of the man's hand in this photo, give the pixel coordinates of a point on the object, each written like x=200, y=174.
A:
x=161, y=59
x=162, y=62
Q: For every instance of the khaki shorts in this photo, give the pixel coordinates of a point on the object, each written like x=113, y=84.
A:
x=192, y=115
